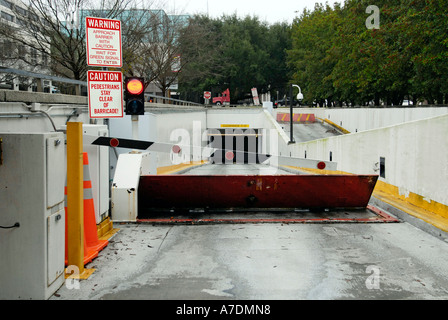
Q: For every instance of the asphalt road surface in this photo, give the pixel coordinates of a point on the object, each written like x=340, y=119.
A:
x=267, y=261
x=304, y=132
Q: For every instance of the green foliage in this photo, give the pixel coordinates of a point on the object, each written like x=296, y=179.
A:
x=334, y=55
x=311, y=56
x=328, y=51
x=234, y=53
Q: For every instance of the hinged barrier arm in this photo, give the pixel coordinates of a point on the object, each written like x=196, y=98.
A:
x=208, y=152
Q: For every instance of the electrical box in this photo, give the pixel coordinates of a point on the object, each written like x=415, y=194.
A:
x=32, y=215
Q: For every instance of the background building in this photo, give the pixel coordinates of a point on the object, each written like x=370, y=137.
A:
x=21, y=55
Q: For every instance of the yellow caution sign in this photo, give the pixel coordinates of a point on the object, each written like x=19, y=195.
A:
x=235, y=126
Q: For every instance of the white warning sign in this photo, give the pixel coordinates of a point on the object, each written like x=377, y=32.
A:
x=104, y=42
x=105, y=94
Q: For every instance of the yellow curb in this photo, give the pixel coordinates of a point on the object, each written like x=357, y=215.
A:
x=430, y=211
x=177, y=168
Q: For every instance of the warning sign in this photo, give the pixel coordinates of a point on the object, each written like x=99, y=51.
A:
x=105, y=94
x=255, y=96
x=104, y=42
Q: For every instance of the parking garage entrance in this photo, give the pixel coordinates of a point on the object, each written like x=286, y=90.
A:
x=233, y=146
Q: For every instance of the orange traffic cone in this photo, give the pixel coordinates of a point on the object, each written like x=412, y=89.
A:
x=90, y=228
x=92, y=245
x=89, y=254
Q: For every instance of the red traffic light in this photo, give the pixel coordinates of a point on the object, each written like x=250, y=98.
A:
x=135, y=86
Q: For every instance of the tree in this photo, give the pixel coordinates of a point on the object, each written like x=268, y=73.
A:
x=201, y=46
x=234, y=53
x=335, y=56
x=161, y=56
x=311, y=56
x=278, y=42
x=425, y=36
x=44, y=29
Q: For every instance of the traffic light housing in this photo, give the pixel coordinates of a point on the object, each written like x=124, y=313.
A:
x=134, y=96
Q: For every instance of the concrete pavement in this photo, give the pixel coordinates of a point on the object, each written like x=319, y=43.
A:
x=267, y=261
x=304, y=132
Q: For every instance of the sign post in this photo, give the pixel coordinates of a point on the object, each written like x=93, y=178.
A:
x=207, y=96
x=255, y=96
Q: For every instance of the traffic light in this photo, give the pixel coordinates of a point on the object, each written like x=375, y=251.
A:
x=134, y=96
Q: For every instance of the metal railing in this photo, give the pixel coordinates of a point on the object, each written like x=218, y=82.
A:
x=151, y=98
x=41, y=76
x=148, y=97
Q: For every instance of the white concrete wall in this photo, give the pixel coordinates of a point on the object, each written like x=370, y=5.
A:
x=122, y=128
x=17, y=117
x=183, y=128
x=158, y=127
x=416, y=155
x=239, y=116
x=361, y=119
x=255, y=118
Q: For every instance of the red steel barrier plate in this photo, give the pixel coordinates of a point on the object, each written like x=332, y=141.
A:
x=238, y=191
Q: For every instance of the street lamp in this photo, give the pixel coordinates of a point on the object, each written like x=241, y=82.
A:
x=299, y=95
x=299, y=98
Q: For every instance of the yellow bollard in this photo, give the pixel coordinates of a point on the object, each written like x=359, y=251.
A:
x=75, y=202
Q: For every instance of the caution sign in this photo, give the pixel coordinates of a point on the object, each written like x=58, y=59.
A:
x=103, y=42
x=105, y=94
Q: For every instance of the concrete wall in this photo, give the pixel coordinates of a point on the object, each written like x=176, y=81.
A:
x=253, y=117
x=122, y=128
x=184, y=128
x=19, y=117
x=39, y=97
x=416, y=155
x=413, y=143
x=361, y=119
x=193, y=123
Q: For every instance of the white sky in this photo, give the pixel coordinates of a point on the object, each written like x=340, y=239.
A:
x=271, y=11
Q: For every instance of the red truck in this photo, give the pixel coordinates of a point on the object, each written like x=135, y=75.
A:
x=224, y=98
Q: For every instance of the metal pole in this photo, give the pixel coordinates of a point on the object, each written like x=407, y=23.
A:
x=291, y=111
x=75, y=197
x=134, y=127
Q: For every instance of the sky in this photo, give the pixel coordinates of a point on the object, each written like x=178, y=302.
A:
x=271, y=11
